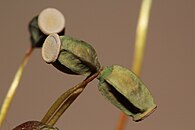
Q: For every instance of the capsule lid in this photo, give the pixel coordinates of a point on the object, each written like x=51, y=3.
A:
x=50, y=21
x=51, y=48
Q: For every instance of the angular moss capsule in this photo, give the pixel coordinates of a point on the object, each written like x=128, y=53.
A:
x=49, y=21
x=70, y=55
x=34, y=125
x=126, y=91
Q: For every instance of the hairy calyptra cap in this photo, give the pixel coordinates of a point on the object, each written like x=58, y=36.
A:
x=34, y=125
x=126, y=91
x=70, y=55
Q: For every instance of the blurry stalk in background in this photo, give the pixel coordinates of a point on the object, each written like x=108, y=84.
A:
x=140, y=42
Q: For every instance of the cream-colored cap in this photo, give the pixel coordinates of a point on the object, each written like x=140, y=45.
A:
x=50, y=21
x=51, y=48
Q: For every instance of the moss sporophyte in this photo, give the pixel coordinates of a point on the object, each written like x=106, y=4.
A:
x=120, y=86
x=39, y=27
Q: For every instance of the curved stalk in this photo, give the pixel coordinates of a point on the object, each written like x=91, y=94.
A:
x=65, y=100
x=140, y=43
x=13, y=87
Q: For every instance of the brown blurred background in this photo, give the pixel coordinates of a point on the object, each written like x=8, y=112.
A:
x=109, y=25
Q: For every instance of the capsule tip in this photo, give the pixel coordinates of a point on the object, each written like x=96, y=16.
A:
x=50, y=21
x=51, y=48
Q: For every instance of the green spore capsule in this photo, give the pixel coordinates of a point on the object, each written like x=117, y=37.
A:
x=126, y=91
x=70, y=55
